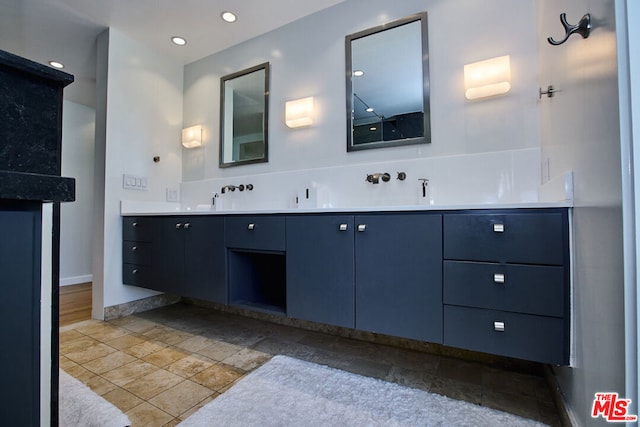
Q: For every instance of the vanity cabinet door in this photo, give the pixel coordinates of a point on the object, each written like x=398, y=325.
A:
x=192, y=259
x=320, y=269
x=399, y=275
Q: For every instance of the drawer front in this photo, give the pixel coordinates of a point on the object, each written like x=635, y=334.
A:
x=528, y=238
x=136, y=252
x=510, y=287
x=255, y=232
x=136, y=275
x=140, y=229
x=523, y=336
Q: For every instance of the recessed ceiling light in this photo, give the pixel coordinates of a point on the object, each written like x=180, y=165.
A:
x=358, y=73
x=369, y=110
x=56, y=64
x=178, y=40
x=228, y=16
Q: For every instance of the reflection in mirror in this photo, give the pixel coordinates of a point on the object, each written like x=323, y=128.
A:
x=244, y=100
x=388, y=85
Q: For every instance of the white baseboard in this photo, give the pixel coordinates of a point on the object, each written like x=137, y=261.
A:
x=66, y=281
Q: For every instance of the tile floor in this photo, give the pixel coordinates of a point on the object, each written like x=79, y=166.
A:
x=161, y=366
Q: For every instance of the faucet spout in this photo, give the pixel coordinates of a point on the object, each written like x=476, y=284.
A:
x=375, y=178
x=228, y=187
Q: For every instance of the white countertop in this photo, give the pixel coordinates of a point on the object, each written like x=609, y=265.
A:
x=130, y=208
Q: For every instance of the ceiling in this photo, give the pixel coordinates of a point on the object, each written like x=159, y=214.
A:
x=66, y=30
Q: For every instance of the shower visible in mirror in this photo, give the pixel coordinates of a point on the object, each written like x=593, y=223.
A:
x=388, y=85
x=244, y=115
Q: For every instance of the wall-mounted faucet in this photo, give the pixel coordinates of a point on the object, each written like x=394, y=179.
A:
x=375, y=178
x=228, y=188
x=240, y=187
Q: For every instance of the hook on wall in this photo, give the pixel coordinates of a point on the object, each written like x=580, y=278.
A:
x=583, y=28
x=549, y=92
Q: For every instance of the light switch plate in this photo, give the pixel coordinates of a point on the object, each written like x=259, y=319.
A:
x=134, y=182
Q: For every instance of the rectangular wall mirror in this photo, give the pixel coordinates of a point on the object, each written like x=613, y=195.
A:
x=388, y=85
x=244, y=115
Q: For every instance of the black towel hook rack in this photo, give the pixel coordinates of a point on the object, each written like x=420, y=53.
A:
x=583, y=28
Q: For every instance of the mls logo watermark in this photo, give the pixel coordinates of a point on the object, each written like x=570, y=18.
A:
x=612, y=408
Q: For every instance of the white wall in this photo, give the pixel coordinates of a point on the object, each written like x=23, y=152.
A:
x=307, y=58
x=138, y=116
x=581, y=132
x=76, y=218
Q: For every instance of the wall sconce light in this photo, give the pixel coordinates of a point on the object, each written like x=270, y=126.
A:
x=487, y=78
x=299, y=112
x=192, y=136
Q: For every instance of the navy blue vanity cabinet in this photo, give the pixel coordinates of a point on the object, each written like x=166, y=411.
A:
x=183, y=256
x=192, y=257
x=256, y=262
x=399, y=275
x=138, y=257
x=320, y=269
x=379, y=273
x=506, y=283
x=31, y=111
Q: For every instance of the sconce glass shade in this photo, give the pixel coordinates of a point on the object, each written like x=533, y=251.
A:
x=487, y=78
x=299, y=112
x=192, y=136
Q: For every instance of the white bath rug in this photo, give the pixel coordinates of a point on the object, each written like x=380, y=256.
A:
x=80, y=406
x=291, y=392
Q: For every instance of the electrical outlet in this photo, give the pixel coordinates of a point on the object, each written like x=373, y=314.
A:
x=173, y=194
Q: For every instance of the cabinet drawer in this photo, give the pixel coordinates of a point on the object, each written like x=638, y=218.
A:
x=137, y=275
x=141, y=229
x=255, y=232
x=136, y=252
x=524, y=336
x=509, y=287
x=529, y=238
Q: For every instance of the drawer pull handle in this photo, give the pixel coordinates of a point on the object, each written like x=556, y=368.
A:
x=498, y=278
x=343, y=227
x=135, y=224
x=134, y=271
x=498, y=326
x=133, y=249
x=178, y=225
x=498, y=228
x=362, y=227
x=187, y=225
x=251, y=226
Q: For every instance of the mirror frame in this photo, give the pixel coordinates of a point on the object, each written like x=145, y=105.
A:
x=426, y=138
x=265, y=125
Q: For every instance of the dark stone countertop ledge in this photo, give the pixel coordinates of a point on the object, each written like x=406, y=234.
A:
x=36, y=187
